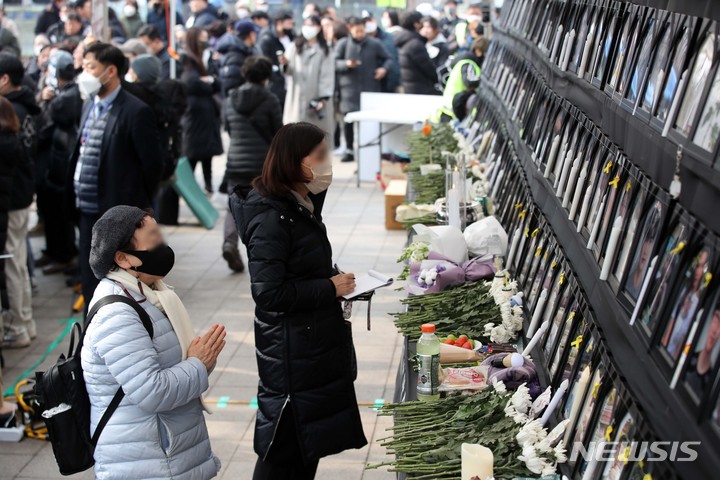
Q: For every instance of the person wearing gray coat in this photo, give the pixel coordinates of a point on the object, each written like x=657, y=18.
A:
x=309, y=67
x=158, y=431
x=361, y=63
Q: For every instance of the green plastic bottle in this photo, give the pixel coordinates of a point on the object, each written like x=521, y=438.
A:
x=428, y=352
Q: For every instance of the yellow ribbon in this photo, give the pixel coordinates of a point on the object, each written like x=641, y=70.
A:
x=518, y=206
x=527, y=231
x=614, y=182
x=577, y=342
x=708, y=277
x=553, y=265
x=678, y=249
x=522, y=214
x=571, y=316
x=535, y=232
x=538, y=251
x=596, y=389
x=608, y=433
x=641, y=464
x=628, y=185
x=608, y=166
x=562, y=278
x=624, y=455
x=647, y=476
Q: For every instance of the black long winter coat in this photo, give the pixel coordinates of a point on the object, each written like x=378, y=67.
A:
x=27, y=110
x=269, y=44
x=234, y=52
x=354, y=81
x=201, y=122
x=253, y=117
x=59, y=132
x=304, y=346
x=417, y=71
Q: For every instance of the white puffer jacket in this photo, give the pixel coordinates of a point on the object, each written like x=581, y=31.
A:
x=159, y=430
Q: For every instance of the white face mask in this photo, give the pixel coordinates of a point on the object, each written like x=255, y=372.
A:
x=386, y=23
x=129, y=11
x=129, y=78
x=242, y=14
x=473, y=18
x=310, y=31
x=371, y=26
x=322, y=177
x=63, y=18
x=89, y=84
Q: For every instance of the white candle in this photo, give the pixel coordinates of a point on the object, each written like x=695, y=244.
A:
x=568, y=51
x=560, y=187
x=578, y=395
x=513, y=247
x=563, y=49
x=498, y=180
x=684, y=355
x=521, y=97
x=585, y=56
x=477, y=461
x=675, y=104
x=537, y=314
x=453, y=208
x=596, y=225
x=643, y=290
x=556, y=44
x=559, y=160
x=584, y=209
x=559, y=394
x=571, y=182
x=611, y=248
x=578, y=193
x=551, y=158
x=536, y=338
x=592, y=466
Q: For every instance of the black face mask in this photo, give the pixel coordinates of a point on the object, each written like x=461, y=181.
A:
x=289, y=32
x=157, y=262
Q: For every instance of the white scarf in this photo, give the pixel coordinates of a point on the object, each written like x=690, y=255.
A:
x=166, y=300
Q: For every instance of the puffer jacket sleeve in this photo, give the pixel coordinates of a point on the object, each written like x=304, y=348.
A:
x=121, y=340
x=269, y=249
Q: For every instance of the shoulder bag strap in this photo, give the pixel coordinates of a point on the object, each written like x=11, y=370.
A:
x=119, y=395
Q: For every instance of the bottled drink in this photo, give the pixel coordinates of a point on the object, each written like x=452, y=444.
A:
x=428, y=352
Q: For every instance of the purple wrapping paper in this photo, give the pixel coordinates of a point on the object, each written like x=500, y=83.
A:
x=513, y=377
x=475, y=269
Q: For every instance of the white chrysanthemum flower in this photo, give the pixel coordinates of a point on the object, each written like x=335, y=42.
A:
x=532, y=461
x=541, y=402
x=548, y=469
x=560, y=453
x=531, y=433
x=521, y=399
x=499, y=386
x=488, y=328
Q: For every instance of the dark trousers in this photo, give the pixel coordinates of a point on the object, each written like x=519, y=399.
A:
x=59, y=228
x=206, y=168
x=230, y=228
x=168, y=204
x=4, y=302
x=350, y=137
x=285, y=460
x=89, y=282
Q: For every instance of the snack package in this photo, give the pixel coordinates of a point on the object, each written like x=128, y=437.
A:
x=464, y=379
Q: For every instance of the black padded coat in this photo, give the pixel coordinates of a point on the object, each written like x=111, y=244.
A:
x=304, y=348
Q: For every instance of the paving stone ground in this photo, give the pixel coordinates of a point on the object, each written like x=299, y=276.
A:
x=355, y=221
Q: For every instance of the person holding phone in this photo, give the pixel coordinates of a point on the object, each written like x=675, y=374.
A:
x=307, y=408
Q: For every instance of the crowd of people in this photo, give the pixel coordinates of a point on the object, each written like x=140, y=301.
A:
x=91, y=133
x=87, y=125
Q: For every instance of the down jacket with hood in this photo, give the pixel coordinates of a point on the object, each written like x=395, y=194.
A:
x=253, y=117
x=234, y=53
x=159, y=430
x=304, y=347
x=417, y=71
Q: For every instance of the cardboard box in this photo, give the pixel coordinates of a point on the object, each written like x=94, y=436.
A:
x=394, y=197
x=390, y=171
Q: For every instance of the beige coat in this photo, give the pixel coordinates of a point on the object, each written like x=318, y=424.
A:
x=309, y=75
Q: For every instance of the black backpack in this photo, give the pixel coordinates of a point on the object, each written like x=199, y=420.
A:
x=65, y=402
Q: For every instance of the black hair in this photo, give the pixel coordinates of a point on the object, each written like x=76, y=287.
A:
x=282, y=16
x=151, y=31
x=13, y=67
x=300, y=41
x=394, y=16
x=108, y=55
x=257, y=69
x=79, y=3
x=75, y=17
x=409, y=19
x=259, y=14
x=434, y=24
x=480, y=29
x=355, y=21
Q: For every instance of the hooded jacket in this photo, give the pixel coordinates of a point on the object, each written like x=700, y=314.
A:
x=417, y=71
x=204, y=18
x=27, y=109
x=234, y=52
x=253, y=117
x=305, y=354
